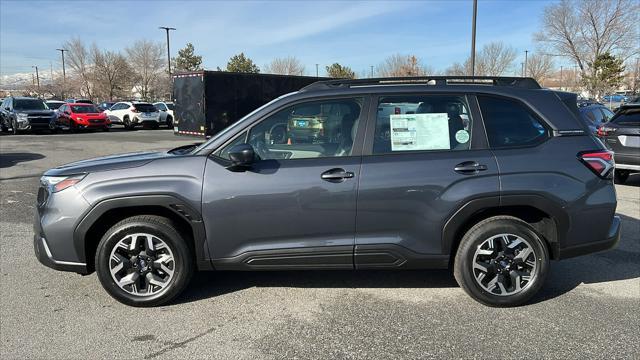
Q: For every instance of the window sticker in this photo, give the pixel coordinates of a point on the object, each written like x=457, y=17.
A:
x=462, y=136
x=419, y=132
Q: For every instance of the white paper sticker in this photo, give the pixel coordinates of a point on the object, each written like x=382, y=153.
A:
x=419, y=132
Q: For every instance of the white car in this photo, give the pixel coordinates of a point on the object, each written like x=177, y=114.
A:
x=134, y=113
x=166, y=112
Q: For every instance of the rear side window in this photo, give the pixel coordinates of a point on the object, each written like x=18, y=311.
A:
x=509, y=123
x=629, y=117
x=422, y=123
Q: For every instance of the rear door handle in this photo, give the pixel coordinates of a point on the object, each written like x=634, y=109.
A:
x=336, y=175
x=469, y=167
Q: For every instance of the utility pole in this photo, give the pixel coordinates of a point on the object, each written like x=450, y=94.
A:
x=561, y=77
x=167, y=29
x=317, y=73
x=522, y=69
x=372, y=71
x=64, y=74
x=51, y=71
x=526, y=52
x=473, y=38
x=37, y=78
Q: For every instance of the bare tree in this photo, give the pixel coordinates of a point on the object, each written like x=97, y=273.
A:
x=583, y=30
x=80, y=63
x=402, y=66
x=495, y=59
x=540, y=67
x=285, y=66
x=112, y=73
x=147, y=61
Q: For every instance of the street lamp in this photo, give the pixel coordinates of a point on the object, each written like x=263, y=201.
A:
x=64, y=75
x=167, y=29
x=372, y=71
x=526, y=52
x=473, y=38
x=317, y=73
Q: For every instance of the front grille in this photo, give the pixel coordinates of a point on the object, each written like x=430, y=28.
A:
x=39, y=119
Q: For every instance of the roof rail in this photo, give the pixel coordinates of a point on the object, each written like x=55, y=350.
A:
x=521, y=82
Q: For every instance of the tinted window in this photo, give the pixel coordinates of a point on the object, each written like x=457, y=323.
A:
x=510, y=123
x=629, y=117
x=145, y=107
x=170, y=106
x=30, y=104
x=84, y=109
x=422, y=123
x=608, y=114
x=54, y=105
x=597, y=115
x=309, y=130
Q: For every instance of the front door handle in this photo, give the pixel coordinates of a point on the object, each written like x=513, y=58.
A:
x=336, y=175
x=469, y=167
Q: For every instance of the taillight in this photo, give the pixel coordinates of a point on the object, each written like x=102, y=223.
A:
x=605, y=130
x=599, y=161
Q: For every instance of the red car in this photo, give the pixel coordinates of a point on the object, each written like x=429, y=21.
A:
x=77, y=116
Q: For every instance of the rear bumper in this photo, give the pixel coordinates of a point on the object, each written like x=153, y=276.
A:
x=613, y=237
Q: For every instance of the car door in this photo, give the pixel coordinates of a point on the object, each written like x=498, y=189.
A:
x=295, y=207
x=425, y=157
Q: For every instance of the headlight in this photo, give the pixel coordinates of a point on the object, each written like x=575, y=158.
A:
x=22, y=117
x=59, y=183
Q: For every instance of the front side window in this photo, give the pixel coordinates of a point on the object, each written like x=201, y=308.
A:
x=608, y=114
x=422, y=123
x=509, y=123
x=307, y=130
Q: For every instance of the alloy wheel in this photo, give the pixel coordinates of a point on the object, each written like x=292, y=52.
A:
x=504, y=264
x=142, y=264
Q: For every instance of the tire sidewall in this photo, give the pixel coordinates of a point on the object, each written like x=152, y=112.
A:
x=476, y=236
x=181, y=254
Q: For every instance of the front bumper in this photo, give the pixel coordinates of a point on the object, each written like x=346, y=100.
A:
x=613, y=237
x=43, y=254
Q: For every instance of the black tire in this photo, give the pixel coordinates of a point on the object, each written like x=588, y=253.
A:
x=620, y=176
x=169, y=122
x=476, y=236
x=106, y=128
x=14, y=128
x=127, y=123
x=164, y=229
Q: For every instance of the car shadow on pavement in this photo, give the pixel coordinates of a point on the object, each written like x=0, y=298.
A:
x=620, y=263
x=11, y=159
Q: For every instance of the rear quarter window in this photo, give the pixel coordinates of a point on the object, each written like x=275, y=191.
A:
x=510, y=123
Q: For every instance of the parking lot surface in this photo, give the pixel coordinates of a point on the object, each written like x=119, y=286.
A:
x=588, y=308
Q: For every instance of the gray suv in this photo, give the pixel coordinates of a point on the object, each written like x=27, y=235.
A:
x=493, y=177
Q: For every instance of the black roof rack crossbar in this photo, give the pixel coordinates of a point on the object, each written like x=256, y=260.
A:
x=521, y=82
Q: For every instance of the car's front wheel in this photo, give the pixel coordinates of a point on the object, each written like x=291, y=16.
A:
x=144, y=261
x=501, y=261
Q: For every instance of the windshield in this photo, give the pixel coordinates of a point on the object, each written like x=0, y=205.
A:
x=170, y=106
x=84, y=109
x=54, y=105
x=30, y=104
x=239, y=122
x=145, y=107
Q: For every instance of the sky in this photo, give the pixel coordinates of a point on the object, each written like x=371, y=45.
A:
x=358, y=34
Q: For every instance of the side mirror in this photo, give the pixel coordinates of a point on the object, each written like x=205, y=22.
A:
x=242, y=156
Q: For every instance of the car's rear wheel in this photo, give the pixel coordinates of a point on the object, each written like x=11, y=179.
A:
x=144, y=261
x=501, y=261
x=127, y=123
x=169, y=121
x=620, y=176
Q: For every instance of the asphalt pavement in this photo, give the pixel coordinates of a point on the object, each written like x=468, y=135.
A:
x=588, y=307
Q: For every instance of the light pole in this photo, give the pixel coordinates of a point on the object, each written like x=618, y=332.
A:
x=560, y=77
x=37, y=78
x=64, y=74
x=522, y=69
x=473, y=38
x=372, y=71
x=167, y=29
x=317, y=73
x=526, y=52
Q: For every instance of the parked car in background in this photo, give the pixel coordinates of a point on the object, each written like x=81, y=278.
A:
x=77, y=116
x=134, y=113
x=622, y=136
x=26, y=114
x=634, y=100
x=105, y=105
x=84, y=101
x=166, y=112
x=54, y=105
x=594, y=115
x=615, y=98
x=494, y=197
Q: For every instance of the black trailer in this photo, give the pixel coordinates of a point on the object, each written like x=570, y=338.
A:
x=208, y=101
